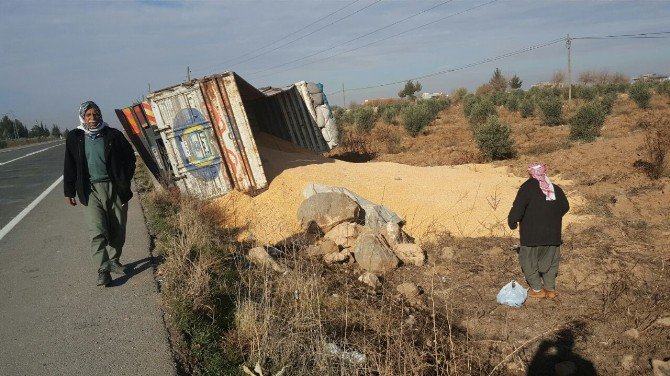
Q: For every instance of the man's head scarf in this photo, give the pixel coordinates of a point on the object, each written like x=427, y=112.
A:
x=95, y=131
x=538, y=172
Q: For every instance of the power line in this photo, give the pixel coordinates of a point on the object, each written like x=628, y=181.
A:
x=288, y=35
x=354, y=39
x=512, y=53
x=470, y=65
x=656, y=35
x=304, y=36
x=383, y=39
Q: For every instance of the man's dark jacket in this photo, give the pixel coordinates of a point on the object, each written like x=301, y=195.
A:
x=119, y=157
x=541, y=220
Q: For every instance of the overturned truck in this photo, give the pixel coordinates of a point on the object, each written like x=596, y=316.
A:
x=200, y=135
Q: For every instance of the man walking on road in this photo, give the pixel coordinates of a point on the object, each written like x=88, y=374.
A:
x=539, y=207
x=99, y=165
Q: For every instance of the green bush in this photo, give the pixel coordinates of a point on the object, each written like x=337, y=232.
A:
x=494, y=139
x=481, y=110
x=343, y=116
x=3, y=144
x=552, y=110
x=389, y=112
x=640, y=94
x=365, y=119
x=434, y=105
x=663, y=88
x=586, y=123
x=586, y=92
x=415, y=118
x=527, y=108
x=512, y=103
x=468, y=101
x=458, y=94
x=607, y=102
x=498, y=97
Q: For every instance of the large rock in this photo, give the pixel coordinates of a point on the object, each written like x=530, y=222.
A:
x=408, y=290
x=410, y=254
x=344, y=234
x=373, y=254
x=260, y=257
x=392, y=233
x=632, y=333
x=338, y=257
x=325, y=247
x=660, y=367
x=323, y=211
x=370, y=279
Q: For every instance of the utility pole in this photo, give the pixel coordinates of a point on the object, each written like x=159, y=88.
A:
x=149, y=84
x=568, y=43
x=344, y=101
x=188, y=74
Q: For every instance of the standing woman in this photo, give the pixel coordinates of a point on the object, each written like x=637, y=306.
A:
x=99, y=165
x=539, y=208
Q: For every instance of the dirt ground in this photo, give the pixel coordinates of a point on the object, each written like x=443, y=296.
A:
x=615, y=261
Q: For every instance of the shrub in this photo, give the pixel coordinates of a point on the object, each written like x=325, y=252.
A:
x=498, y=97
x=365, y=119
x=3, y=144
x=434, y=105
x=586, y=123
x=386, y=139
x=415, y=118
x=527, y=107
x=552, y=110
x=389, y=112
x=481, y=111
x=640, y=94
x=513, y=100
x=607, y=102
x=458, y=94
x=343, y=116
x=494, y=139
x=663, y=88
x=586, y=92
x=468, y=101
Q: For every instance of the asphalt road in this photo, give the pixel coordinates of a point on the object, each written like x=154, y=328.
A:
x=54, y=319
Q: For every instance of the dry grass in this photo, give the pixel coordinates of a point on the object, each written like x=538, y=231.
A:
x=613, y=273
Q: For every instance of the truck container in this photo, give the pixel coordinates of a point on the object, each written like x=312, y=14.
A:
x=208, y=127
x=140, y=125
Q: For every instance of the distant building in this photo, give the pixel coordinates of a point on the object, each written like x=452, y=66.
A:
x=378, y=101
x=548, y=84
x=650, y=77
x=433, y=95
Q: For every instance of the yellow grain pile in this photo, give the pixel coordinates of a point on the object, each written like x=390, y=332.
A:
x=466, y=200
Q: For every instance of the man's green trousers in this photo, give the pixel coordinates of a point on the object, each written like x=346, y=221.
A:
x=107, y=217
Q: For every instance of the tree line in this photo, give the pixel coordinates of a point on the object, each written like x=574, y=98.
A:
x=12, y=129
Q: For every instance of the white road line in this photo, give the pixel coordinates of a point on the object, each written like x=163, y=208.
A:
x=28, y=155
x=9, y=226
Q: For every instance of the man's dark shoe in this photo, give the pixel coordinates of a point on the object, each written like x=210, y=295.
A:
x=116, y=267
x=104, y=278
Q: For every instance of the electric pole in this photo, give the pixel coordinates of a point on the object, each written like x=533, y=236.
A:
x=568, y=43
x=188, y=74
x=344, y=101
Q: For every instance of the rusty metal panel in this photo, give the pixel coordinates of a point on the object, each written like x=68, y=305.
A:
x=217, y=100
x=127, y=120
x=181, y=115
x=244, y=132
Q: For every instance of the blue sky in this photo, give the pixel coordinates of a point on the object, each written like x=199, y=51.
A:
x=56, y=54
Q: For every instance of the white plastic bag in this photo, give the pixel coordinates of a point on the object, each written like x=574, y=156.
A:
x=512, y=294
